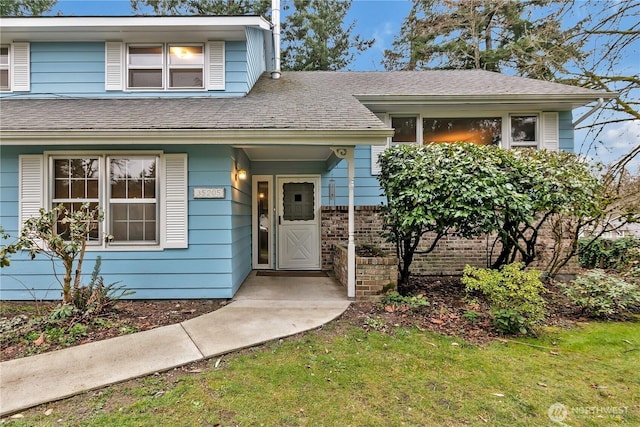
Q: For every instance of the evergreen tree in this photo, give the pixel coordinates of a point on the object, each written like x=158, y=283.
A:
x=315, y=38
x=495, y=35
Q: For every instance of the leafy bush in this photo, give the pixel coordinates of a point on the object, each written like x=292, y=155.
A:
x=513, y=294
x=600, y=294
x=603, y=253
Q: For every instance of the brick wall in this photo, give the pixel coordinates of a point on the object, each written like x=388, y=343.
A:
x=374, y=275
x=448, y=258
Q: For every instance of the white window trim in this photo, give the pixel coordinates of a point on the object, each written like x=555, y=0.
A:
x=162, y=242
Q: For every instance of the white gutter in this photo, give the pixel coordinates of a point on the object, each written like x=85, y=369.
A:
x=588, y=113
x=275, y=19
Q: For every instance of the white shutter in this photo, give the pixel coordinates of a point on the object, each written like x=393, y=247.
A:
x=114, y=65
x=20, y=70
x=550, y=132
x=376, y=150
x=31, y=187
x=175, y=200
x=215, y=65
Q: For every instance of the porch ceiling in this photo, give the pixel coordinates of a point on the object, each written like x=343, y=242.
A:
x=276, y=153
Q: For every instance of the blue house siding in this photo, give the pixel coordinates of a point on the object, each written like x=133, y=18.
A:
x=67, y=68
x=256, y=64
x=367, y=190
x=78, y=69
x=213, y=266
x=565, y=127
x=240, y=222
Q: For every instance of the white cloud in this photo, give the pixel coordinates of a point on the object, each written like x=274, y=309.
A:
x=383, y=35
x=615, y=141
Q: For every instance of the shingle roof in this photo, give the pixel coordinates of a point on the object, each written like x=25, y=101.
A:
x=298, y=100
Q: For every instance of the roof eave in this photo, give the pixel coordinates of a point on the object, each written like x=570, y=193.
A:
x=321, y=137
x=570, y=100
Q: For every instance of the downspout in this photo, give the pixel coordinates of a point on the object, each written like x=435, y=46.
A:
x=588, y=113
x=275, y=21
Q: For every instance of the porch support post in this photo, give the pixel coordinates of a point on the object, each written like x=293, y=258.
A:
x=347, y=153
x=351, y=246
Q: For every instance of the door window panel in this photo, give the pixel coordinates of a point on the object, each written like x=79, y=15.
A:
x=298, y=201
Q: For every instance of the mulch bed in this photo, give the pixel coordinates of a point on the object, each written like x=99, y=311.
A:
x=445, y=314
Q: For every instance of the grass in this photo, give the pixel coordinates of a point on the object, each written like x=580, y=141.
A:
x=344, y=376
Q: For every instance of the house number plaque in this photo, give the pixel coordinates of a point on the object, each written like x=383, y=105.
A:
x=208, y=193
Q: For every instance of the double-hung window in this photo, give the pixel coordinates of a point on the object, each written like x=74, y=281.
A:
x=165, y=66
x=126, y=187
x=5, y=75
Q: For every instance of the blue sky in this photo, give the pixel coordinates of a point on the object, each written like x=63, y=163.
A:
x=382, y=20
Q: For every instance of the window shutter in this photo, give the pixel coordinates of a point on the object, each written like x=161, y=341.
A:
x=31, y=187
x=174, y=199
x=376, y=150
x=215, y=77
x=550, y=133
x=21, y=73
x=114, y=65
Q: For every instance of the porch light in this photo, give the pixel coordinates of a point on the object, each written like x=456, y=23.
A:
x=242, y=174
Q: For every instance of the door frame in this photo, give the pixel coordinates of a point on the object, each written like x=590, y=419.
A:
x=255, y=223
x=279, y=180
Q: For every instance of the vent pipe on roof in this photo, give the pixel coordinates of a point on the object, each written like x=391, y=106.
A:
x=275, y=21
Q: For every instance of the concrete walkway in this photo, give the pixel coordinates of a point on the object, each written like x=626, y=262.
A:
x=264, y=309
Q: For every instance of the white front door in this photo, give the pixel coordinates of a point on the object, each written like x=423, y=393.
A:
x=298, y=222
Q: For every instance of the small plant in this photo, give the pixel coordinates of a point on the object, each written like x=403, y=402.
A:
x=376, y=324
x=513, y=294
x=471, y=316
x=397, y=302
x=96, y=297
x=62, y=312
x=601, y=295
x=509, y=322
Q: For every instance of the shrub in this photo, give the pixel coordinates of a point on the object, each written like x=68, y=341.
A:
x=603, y=253
x=513, y=294
x=601, y=295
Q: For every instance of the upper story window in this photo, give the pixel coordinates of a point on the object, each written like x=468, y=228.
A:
x=524, y=130
x=165, y=66
x=480, y=131
x=5, y=82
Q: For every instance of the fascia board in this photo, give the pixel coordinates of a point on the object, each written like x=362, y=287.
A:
x=117, y=28
x=197, y=137
x=573, y=100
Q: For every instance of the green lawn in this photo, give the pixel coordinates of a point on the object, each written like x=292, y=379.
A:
x=344, y=376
